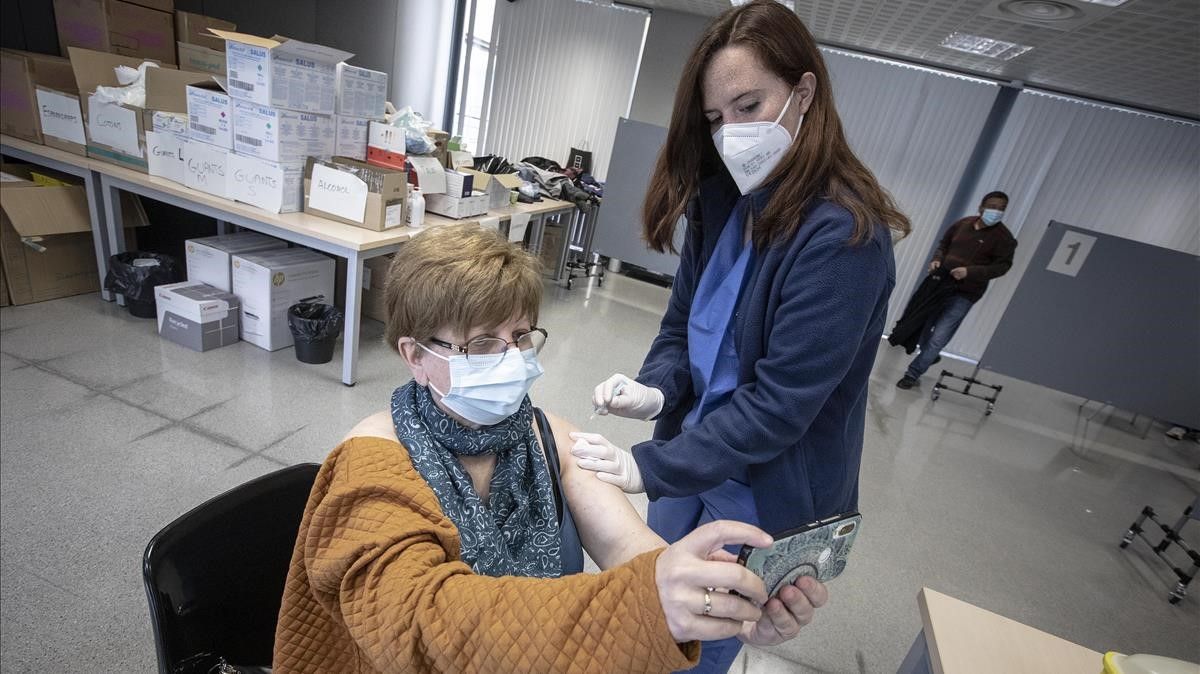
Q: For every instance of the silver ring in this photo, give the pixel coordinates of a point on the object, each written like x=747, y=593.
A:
x=708, y=601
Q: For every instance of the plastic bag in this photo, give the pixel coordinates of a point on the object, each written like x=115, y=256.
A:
x=414, y=126
x=133, y=91
x=135, y=274
x=314, y=322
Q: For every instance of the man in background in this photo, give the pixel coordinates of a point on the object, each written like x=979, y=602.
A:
x=976, y=249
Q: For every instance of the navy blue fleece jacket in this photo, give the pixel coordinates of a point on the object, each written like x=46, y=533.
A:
x=806, y=330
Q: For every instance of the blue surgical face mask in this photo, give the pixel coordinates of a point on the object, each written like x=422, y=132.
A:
x=486, y=390
x=991, y=216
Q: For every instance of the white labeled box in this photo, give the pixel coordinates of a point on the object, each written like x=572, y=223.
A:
x=165, y=155
x=269, y=282
x=208, y=259
x=351, y=137
x=278, y=188
x=283, y=73
x=459, y=184
x=210, y=114
x=386, y=137
x=197, y=315
x=456, y=207
x=205, y=168
x=361, y=92
x=282, y=136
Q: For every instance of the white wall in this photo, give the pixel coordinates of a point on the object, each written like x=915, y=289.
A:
x=423, y=32
x=669, y=42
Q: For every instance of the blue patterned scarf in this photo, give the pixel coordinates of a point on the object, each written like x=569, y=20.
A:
x=516, y=533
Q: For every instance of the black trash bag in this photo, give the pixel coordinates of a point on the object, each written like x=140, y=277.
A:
x=493, y=164
x=315, y=328
x=135, y=274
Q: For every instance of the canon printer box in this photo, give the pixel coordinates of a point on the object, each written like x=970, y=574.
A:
x=197, y=315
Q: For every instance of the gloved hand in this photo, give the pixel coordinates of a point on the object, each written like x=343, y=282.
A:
x=610, y=463
x=624, y=397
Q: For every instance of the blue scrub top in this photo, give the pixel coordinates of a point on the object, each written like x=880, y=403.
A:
x=712, y=354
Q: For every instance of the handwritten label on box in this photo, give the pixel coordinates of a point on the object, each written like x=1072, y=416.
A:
x=338, y=193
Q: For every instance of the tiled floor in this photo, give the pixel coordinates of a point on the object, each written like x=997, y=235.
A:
x=108, y=433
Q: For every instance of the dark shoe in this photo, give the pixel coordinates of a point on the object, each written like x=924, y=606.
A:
x=906, y=382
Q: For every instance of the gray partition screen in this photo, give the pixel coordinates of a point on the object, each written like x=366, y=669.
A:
x=1108, y=319
x=619, y=229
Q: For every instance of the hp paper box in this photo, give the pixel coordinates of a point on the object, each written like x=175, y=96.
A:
x=196, y=315
x=208, y=259
x=279, y=135
x=270, y=282
x=286, y=74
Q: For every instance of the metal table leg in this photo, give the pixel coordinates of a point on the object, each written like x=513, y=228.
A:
x=113, y=221
x=354, y=271
x=100, y=239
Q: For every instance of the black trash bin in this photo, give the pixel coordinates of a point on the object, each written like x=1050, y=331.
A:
x=135, y=275
x=315, y=328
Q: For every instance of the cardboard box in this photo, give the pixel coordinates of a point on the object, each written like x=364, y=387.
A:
x=116, y=133
x=192, y=29
x=4, y=301
x=46, y=237
x=459, y=184
x=374, y=285
x=497, y=186
x=283, y=73
x=271, y=281
x=455, y=207
x=196, y=315
x=197, y=59
x=165, y=155
x=207, y=166
x=62, y=120
x=351, y=138
x=281, y=136
x=382, y=195
x=552, y=243
x=20, y=75
x=138, y=28
x=440, y=141
x=209, y=260
x=361, y=92
x=278, y=188
x=210, y=114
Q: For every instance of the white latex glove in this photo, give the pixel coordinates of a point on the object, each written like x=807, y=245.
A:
x=624, y=397
x=610, y=463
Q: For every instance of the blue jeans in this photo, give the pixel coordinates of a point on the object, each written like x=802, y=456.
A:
x=674, y=518
x=938, y=332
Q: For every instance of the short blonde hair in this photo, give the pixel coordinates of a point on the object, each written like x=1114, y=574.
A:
x=460, y=277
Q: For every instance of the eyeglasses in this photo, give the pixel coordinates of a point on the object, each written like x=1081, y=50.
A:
x=477, y=348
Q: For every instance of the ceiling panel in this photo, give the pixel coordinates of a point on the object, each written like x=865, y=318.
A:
x=1145, y=53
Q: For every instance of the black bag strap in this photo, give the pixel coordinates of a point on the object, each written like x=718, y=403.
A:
x=551, y=448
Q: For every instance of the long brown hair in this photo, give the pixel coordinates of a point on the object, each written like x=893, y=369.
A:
x=818, y=164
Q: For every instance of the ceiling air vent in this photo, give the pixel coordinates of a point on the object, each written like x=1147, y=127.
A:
x=1064, y=15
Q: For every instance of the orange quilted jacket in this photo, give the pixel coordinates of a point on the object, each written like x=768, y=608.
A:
x=376, y=585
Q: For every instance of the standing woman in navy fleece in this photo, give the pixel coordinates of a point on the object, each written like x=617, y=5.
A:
x=758, y=377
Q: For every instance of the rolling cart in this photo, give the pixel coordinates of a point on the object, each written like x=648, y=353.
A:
x=580, y=257
x=970, y=380
x=1170, y=536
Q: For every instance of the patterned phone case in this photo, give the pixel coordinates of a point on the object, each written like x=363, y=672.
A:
x=818, y=550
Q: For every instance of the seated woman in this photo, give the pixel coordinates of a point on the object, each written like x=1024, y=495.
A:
x=440, y=537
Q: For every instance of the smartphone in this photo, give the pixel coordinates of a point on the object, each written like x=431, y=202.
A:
x=818, y=550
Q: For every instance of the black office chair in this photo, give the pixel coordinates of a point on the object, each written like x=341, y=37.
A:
x=214, y=577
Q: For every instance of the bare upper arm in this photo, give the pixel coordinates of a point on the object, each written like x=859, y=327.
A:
x=610, y=527
x=378, y=425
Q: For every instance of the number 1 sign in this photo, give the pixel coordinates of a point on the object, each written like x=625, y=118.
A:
x=1071, y=253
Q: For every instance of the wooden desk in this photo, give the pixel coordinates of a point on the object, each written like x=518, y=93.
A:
x=960, y=638
x=104, y=182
